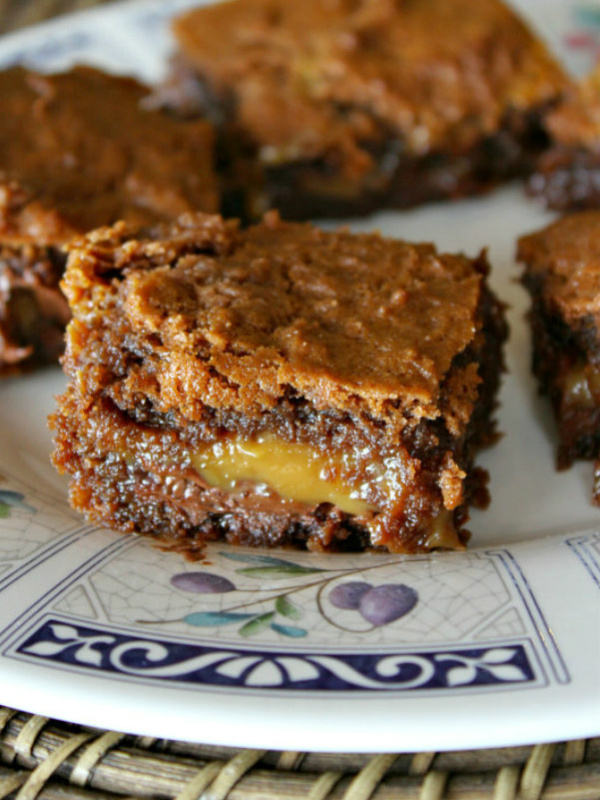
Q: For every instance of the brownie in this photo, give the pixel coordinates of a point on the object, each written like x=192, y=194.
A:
x=562, y=274
x=567, y=174
x=279, y=385
x=78, y=150
x=342, y=107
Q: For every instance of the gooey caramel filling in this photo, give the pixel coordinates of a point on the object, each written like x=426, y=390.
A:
x=299, y=473
x=295, y=470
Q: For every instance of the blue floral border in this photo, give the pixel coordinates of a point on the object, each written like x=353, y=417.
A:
x=97, y=649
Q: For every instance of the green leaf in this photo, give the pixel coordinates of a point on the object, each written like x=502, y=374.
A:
x=267, y=561
x=291, y=570
x=289, y=630
x=4, y=511
x=257, y=624
x=285, y=607
x=214, y=618
x=16, y=499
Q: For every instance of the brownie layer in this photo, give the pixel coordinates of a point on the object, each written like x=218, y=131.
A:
x=562, y=274
x=567, y=178
x=339, y=108
x=371, y=363
x=400, y=180
x=78, y=150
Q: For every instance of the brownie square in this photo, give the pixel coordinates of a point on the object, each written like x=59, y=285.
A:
x=79, y=150
x=562, y=274
x=342, y=107
x=277, y=385
x=567, y=174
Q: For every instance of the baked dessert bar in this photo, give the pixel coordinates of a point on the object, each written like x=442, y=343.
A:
x=567, y=175
x=341, y=107
x=562, y=274
x=77, y=150
x=277, y=385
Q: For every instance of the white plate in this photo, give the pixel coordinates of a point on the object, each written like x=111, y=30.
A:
x=498, y=646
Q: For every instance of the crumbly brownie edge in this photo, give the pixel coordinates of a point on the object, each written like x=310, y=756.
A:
x=560, y=351
x=33, y=311
x=440, y=175
x=567, y=179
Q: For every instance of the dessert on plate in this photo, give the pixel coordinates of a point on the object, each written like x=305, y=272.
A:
x=279, y=385
x=342, y=107
x=562, y=274
x=78, y=150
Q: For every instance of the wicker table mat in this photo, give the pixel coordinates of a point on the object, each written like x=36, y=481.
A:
x=53, y=760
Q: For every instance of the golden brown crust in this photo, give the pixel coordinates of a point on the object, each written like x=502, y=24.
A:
x=564, y=259
x=78, y=151
x=264, y=311
x=314, y=77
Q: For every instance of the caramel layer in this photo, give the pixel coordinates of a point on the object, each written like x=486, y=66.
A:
x=296, y=471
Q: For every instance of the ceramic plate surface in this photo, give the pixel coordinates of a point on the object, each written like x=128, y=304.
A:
x=496, y=646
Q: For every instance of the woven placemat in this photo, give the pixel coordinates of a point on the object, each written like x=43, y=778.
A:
x=54, y=760
x=51, y=760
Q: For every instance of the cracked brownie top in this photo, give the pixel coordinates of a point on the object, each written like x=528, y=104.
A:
x=242, y=318
x=308, y=77
x=566, y=255
x=78, y=150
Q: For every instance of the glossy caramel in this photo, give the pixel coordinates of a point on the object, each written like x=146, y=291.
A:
x=296, y=471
